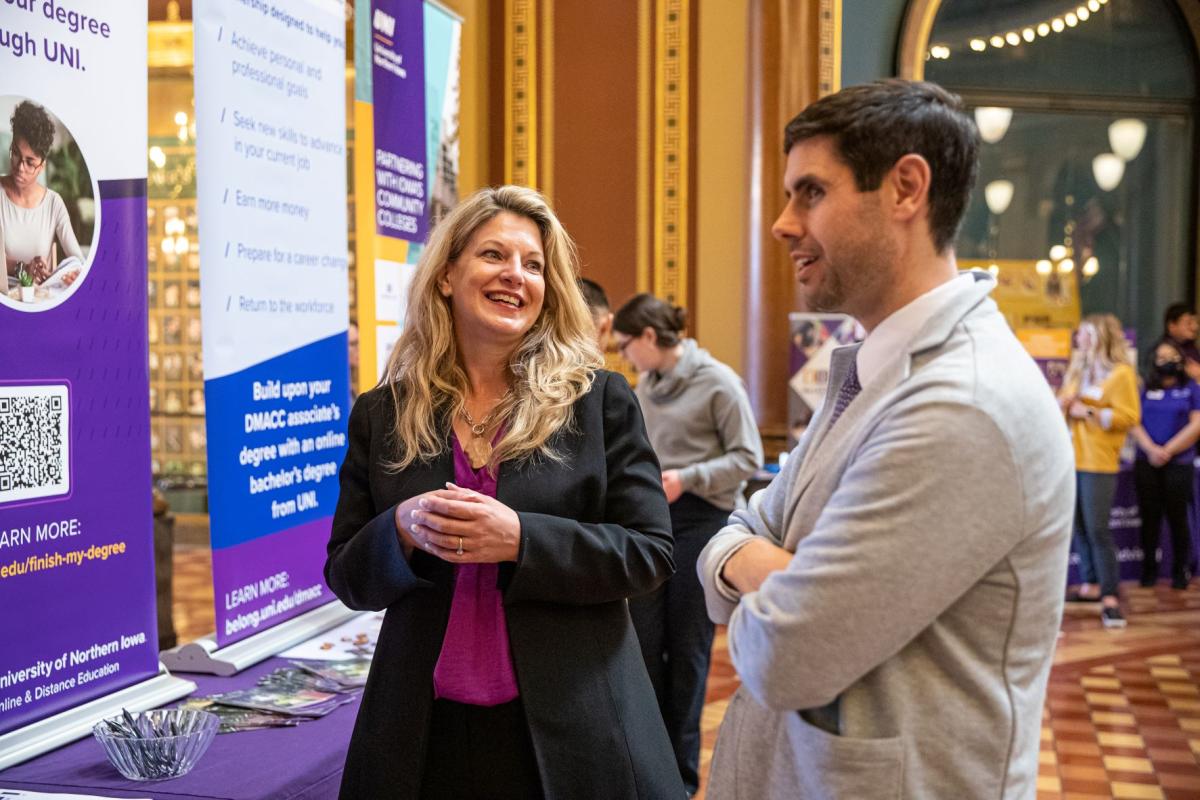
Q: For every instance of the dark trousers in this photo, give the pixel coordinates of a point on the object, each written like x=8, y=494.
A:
x=1093, y=539
x=676, y=635
x=479, y=753
x=1165, y=490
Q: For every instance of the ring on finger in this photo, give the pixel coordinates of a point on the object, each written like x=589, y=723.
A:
x=459, y=551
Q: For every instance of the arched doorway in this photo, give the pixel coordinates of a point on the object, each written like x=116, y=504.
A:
x=1088, y=112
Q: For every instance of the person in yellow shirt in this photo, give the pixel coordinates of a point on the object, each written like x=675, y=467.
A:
x=1100, y=400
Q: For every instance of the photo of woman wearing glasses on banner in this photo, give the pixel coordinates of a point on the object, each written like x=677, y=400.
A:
x=39, y=236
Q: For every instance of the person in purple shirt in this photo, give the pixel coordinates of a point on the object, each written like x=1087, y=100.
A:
x=1180, y=327
x=1163, y=470
x=501, y=500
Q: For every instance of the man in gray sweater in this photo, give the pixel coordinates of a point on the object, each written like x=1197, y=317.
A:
x=893, y=597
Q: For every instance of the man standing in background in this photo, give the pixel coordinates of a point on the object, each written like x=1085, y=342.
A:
x=1180, y=328
x=597, y=303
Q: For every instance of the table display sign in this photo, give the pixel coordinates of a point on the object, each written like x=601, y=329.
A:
x=76, y=538
x=1031, y=293
x=814, y=337
x=406, y=100
x=271, y=166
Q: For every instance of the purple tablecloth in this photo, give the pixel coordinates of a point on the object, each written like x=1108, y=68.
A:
x=300, y=763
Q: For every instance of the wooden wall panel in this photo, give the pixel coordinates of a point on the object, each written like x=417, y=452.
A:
x=785, y=67
x=595, y=140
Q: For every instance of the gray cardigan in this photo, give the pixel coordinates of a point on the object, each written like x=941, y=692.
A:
x=916, y=623
x=700, y=422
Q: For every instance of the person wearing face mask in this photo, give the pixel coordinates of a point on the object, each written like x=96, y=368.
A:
x=1180, y=328
x=1164, y=468
x=1100, y=400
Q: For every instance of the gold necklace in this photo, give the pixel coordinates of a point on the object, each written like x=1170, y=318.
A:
x=479, y=448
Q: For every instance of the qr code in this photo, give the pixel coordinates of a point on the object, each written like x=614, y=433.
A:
x=34, y=442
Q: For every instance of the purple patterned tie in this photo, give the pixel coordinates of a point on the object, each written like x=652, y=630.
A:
x=848, y=391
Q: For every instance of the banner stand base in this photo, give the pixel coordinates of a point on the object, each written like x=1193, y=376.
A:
x=75, y=723
x=205, y=657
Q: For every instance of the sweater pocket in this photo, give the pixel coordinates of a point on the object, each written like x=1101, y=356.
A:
x=829, y=766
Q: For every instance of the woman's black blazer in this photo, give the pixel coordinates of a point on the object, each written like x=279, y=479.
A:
x=595, y=530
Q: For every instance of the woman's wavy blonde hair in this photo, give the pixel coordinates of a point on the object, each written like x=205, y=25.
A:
x=1111, y=349
x=552, y=367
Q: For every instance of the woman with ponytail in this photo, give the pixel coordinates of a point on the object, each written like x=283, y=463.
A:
x=703, y=431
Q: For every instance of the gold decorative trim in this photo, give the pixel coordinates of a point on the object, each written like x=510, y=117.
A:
x=914, y=38
x=520, y=76
x=672, y=116
x=829, y=55
x=645, y=88
x=546, y=90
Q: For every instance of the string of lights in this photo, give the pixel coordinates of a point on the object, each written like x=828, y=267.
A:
x=1026, y=35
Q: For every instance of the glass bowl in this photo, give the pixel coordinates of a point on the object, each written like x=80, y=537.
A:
x=168, y=743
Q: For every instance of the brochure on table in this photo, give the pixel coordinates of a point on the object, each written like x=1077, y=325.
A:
x=406, y=90
x=76, y=540
x=271, y=168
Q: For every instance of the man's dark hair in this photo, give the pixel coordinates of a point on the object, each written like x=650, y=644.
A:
x=1174, y=312
x=31, y=123
x=874, y=125
x=593, y=295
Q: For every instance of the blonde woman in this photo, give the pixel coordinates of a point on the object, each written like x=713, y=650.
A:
x=1100, y=399
x=501, y=500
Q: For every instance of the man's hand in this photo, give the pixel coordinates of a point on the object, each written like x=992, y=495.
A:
x=749, y=567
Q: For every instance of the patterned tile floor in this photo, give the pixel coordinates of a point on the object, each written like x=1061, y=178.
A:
x=1122, y=715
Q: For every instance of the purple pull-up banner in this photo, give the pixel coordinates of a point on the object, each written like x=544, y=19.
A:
x=398, y=85
x=76, y=536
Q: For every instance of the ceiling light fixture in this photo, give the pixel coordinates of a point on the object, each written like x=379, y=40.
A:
x=999, y=195
x=993, y=122
x=1126, y=136
x=1108, y=169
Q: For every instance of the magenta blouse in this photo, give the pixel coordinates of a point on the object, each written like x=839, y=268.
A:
x=475, y=665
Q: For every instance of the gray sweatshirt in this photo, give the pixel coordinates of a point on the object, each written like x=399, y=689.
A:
x=700, y=423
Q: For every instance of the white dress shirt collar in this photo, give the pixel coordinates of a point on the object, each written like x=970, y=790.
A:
x=891, y=338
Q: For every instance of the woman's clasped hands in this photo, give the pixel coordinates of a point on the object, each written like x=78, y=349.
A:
x=460, y=526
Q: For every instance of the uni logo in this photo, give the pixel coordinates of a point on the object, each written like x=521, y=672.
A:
x=384, y=23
